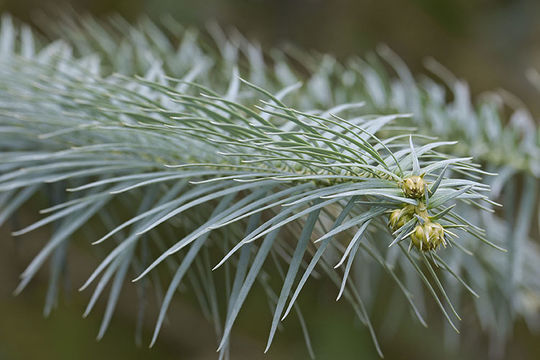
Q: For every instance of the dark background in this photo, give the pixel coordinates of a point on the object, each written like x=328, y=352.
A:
x=491, y=43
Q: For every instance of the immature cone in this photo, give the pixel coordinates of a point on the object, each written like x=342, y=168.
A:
x=413, y=187
x=428, y=236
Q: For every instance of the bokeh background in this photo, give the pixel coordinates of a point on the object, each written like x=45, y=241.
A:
x=490, y=43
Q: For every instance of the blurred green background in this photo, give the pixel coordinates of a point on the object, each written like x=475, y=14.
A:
x=490, y=43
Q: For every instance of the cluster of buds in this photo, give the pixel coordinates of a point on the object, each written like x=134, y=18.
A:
x=427, y=235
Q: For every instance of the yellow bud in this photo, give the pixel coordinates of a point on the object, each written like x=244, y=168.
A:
x=405, y=218
x=417, y=237
x=413, y=187
x=437, y=234
x=428, y=236
x=394, y=219
x=400, y=217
